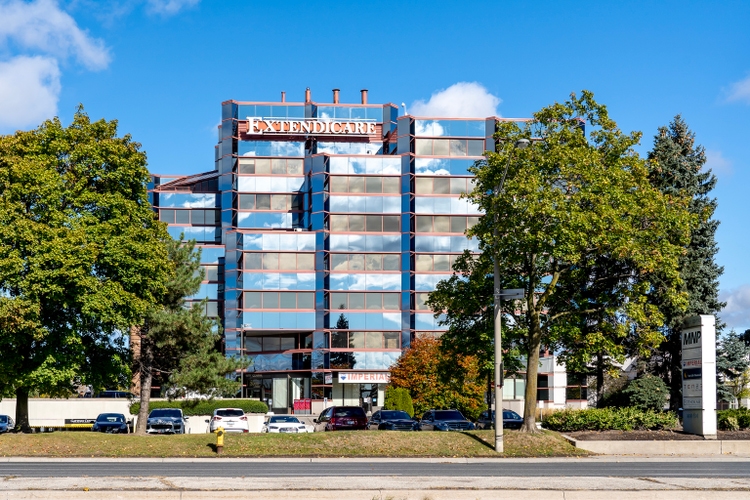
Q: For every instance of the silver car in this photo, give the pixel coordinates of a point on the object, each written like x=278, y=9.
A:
x=166, y=421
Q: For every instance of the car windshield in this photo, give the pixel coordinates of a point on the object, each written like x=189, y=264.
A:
x=230, y=412
x=284, y=420
x=110, y=417
x=448, y=415
x=394, y=415
x=511, y=414
x=350, y=412
x=165, y=413
x=3, y=419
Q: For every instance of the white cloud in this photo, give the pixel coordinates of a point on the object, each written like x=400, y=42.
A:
x=739, y=91
x=29, y=91
x=737, y=312
x=169, y=7
x=460, y=100
x=716, y=161
x=41, y=26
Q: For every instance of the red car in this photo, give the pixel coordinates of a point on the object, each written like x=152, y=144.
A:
x=341, y=418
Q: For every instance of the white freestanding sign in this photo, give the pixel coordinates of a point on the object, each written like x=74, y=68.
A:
x=699, y=376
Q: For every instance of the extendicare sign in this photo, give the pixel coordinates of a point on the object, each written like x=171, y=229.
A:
x=256, y=126
x=364, y=378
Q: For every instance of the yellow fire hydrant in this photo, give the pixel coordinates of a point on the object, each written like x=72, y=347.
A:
x=219, y=440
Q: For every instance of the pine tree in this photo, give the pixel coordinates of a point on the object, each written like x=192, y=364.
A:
x=178, y=341
x=677, y=165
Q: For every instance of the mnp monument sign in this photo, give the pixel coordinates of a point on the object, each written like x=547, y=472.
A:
x=699, y=376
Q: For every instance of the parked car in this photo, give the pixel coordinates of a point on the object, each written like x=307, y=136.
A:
x=284, y=424
x=6, y=424
x=341, y=418
x=116, y=394
x=392, y=420
x=112, y=423
x=444, y=420
x=511, y=420
x=166, y=421
x=231, y=419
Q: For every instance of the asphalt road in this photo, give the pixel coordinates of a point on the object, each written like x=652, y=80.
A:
x=703, y=468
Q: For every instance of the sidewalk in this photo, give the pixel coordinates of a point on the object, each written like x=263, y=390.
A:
x=376, y=487
x=373, y=488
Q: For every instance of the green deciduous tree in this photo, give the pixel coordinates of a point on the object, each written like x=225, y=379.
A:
x=677, y=167
x=577, y=195
x=81, y=256
x=178, y=341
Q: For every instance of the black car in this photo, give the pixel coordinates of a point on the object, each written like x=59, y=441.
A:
x=444, y=420
x=116, y=394
x=511, y=420
x=392, y=420
x=166, y=421
x=112, y=423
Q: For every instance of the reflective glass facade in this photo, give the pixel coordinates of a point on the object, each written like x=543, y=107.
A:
x=323, y=228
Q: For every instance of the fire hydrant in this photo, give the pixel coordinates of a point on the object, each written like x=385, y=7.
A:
x=219, y=440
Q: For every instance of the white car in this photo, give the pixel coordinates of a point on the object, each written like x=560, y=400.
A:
x=283, y=423
x=231, y=419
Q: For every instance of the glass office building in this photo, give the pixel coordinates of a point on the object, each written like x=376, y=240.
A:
x=323, y=228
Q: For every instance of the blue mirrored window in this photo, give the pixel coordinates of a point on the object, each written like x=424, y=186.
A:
x=271, y=148
x=444, y=128
x=365, y=281
x=187, y=200
x=443, y=166
x=211, y=255
x=350, y=148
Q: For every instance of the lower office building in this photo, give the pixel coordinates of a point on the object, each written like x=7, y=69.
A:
x=323, y=228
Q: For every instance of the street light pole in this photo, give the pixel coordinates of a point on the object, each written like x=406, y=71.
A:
x=498, y=296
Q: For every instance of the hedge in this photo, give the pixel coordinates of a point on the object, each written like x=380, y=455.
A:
x=205, y=407
x=605, y=419
x=733, y=420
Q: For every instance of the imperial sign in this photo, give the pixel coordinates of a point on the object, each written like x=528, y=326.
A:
x=258, y=126
x=364, y=378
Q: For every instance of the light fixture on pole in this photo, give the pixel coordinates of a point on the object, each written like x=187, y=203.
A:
x=499, y=295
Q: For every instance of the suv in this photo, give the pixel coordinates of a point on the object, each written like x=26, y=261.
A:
x=444, y=420
x=341, y=418
x=116, y=394
x=166, y=421
x=231, y=419
x=511, y=420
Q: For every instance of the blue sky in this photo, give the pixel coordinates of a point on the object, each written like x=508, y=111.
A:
x=162, y=68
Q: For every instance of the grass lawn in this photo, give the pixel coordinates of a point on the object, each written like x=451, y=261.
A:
x=319, y=444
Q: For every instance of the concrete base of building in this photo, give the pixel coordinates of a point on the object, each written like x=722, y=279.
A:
x=707, y=447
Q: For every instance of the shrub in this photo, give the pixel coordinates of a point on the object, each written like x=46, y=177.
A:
x=733, y=420
x=647, y=392
x=205, y=407
x=604, y=419
x=398, y=398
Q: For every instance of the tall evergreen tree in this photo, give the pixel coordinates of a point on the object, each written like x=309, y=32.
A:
x=179, y=342
x=677, y=166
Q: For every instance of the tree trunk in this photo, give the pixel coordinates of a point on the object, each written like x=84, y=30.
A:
x=135, y=351
x=599, y=379
x=674, y=347
x=22, y=410
x=532, y=372
x=145, y=368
